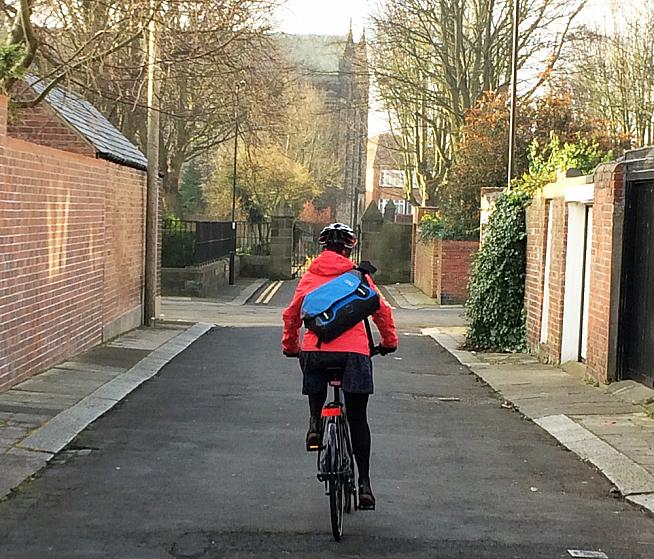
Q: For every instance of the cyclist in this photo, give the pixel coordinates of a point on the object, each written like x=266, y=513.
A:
x=349, y=352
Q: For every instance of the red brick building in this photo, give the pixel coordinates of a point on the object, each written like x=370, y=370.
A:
x=386, y=176
x=590, y=267
x=72, y=207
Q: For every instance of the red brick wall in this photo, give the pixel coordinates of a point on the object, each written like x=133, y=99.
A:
x=427, y=267
x=442, y=269
x=602, y=315
x=456, y=259
x=537, y=231
x=125, y=199
x=537, y=215
x=71, y=253
x=41, y=125
x=604, y=286
x=559, y=227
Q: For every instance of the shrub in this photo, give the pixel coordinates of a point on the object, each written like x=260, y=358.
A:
x=495, y=306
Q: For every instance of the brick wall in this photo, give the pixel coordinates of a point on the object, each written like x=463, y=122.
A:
x=71, y=230
x=442, y=269
x=41, y=125
x=456, y=259
x=559, y=228
x=427, y=256
x=537, y=231
x=604, y=282
x=537, y=215
x=604, y=289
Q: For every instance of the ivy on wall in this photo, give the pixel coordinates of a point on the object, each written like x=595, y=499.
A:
x=495, y=308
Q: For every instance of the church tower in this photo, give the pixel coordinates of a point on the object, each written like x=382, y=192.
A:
x=354, y=85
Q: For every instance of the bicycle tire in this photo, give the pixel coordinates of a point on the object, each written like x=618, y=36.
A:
x=346, y=449
x=335, y=484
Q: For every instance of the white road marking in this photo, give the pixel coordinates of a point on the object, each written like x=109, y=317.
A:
x=273, y=292
x=265, y=292
x=587, y=554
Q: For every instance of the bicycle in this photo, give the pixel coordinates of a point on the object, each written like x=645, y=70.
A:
x=336, y=464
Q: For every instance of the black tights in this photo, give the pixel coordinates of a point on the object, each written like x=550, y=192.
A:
x=356, y=406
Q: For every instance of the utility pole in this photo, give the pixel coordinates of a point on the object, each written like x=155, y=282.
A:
x=514, y=94
x=152, y=210
x=232, y=253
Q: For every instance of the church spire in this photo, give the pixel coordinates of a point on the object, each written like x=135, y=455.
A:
x=350, y=36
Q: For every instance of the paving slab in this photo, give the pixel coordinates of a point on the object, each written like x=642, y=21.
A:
x=16, y=468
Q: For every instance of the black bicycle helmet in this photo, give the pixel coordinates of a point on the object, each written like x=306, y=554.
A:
x=338, y=234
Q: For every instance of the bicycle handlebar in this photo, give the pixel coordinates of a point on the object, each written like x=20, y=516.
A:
x=376, y=350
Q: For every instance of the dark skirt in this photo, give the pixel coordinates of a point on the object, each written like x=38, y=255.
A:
x=319, y=367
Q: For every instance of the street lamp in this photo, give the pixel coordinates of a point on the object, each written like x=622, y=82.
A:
x=232, y=253
x=514, y=94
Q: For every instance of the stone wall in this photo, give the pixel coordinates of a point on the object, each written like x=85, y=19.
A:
x=254, y=266
x=387, y=245
x=205, y=281
x=71, y=231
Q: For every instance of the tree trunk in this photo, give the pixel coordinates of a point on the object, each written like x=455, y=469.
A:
x=171, y=198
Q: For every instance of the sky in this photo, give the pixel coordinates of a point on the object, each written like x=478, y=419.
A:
x=332, y=17
x=324, y=17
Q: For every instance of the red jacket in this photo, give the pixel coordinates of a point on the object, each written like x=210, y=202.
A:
x=323, y=269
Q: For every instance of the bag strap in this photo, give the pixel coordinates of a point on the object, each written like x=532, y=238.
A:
x=371, y=341
x=367, y=269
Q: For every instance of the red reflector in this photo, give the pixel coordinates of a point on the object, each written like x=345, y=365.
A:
x=331, y=412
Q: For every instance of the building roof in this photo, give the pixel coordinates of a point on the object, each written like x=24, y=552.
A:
x=107, y=140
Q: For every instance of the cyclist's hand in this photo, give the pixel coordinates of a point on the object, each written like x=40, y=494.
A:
x=386, y=350
x=290, y=354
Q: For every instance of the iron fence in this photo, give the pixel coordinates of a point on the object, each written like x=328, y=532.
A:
x=253, y=238
x=189, y=243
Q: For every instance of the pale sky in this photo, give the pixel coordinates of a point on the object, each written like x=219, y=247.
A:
x=324, y=17
x=332, y=17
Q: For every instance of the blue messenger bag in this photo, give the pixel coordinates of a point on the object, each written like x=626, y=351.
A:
x=340, y=304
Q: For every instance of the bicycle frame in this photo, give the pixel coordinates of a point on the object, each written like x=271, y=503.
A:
x=336, y=460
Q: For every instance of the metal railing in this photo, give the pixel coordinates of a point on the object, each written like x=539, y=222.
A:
x=189, y=243
x=253, y=238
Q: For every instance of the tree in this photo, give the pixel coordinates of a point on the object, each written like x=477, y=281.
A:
x=434, y=60
x=267, y=181
x=482, y=157
x=611, y=77
x=311, y=214
x=190, y=189
x=206, y=48
x=117, y=25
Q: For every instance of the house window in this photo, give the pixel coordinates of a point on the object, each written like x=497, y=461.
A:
x=392, y=179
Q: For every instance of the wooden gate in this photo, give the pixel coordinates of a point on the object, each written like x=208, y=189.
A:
x=637, y=299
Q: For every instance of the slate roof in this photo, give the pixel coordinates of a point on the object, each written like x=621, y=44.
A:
x=108, y=141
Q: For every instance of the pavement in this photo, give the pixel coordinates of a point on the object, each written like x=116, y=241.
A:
x=204, y=458
x=408, y=296
x=610, y=427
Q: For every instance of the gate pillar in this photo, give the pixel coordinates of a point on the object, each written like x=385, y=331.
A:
x=281, y=247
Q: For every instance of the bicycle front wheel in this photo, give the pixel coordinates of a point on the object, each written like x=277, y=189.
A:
x=335, y=485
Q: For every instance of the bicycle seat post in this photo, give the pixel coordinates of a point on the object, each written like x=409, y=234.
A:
x=335, y=382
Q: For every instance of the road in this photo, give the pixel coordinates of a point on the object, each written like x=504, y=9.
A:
x=206, y=461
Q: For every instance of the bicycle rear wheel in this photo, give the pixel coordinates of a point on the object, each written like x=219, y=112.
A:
x=335, y=484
